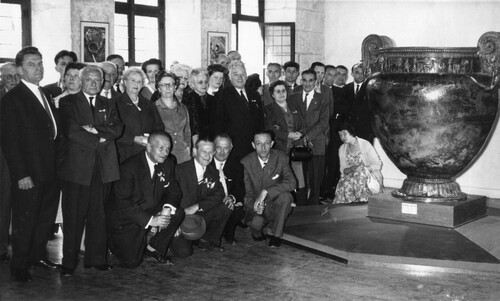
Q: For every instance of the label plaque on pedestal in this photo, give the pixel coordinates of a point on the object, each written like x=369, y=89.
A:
x=450, y=214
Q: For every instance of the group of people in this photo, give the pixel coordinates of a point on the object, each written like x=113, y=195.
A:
x=150, y=162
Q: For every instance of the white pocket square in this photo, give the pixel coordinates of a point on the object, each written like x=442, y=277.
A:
x=276, y=176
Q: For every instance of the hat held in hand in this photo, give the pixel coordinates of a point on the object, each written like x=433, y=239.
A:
x=193, y=227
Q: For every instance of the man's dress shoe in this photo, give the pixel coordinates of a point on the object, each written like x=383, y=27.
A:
x=274, y=242
x=158, y=258
x=67, y=272
x=99, y=267
x=4, y=257
x=46, y=264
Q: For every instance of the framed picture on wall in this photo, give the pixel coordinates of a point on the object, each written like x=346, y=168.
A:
x=218, y=42
x=94, y=39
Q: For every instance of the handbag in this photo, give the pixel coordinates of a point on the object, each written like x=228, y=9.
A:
x=373, y=184
x=300, y=153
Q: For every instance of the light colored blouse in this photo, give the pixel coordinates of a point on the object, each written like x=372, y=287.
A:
x=369, y=156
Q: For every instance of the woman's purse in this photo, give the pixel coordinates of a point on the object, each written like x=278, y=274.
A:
x=301, y=153
x=373, y=184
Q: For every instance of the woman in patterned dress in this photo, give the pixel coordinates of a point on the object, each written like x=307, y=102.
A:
x=358, y=159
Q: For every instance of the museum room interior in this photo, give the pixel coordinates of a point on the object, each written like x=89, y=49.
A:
x=329, y=252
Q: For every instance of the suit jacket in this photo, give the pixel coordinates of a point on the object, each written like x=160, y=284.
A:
x=207, y=195
x=202, y=115
x=266, y=96
x=233, y=172
x=274, y=120
x=27, y=135
x=135, y=123
x=137, y=196
x=315, y=121
x=277, y=177
x=53, y=89
x=83, y=149
x=239, y=119
x=340, y=110
x=327, y=94
x=359, y=114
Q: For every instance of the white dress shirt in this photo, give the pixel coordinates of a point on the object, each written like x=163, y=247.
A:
x=310, y=96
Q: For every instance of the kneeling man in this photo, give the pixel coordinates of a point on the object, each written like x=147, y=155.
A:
x=202, y=194
x=147, y=185
x=268, y=184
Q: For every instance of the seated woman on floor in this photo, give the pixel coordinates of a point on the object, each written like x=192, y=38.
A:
x=359, y=167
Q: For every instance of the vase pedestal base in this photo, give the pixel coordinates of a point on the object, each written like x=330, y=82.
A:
x=450, y=214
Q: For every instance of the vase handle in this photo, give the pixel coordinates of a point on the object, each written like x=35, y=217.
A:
x=495, y=80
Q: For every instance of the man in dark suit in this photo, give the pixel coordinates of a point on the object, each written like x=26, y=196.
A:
x=355, y=98
x=231, y=178
x=110, y=75
x=90, y=124
x=120, y=65
x=269, y=182
x=10, y=79
x=62, y=58
x=273, y=74
x=313, y=108
x=239, y=111
x=291, y=75
x=202, y=194
x=147, y=187
x=30, y=145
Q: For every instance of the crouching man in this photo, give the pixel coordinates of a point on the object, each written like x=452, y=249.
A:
x=146, y=214
x=268, y=184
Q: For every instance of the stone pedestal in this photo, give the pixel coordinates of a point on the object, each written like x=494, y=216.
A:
x=450, y=214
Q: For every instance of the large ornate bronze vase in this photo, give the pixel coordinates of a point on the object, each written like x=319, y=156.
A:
x=433, y=109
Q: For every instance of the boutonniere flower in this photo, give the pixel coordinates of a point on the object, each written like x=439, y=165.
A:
x=210, y=184
x=161, y=176
x=102, y=111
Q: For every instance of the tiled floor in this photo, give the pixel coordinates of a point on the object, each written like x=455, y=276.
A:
x=250, y=271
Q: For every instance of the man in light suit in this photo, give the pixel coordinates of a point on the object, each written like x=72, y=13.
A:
x=313, y=108
x=231, y=178
x=269, y=181
x=146, y=186
x=202, y=194
x=30, y=137
x=91, y=125
x=273, y=74
x=239, y=112
x=10, y=79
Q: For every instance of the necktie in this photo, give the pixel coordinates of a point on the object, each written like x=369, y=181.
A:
x=222, y=177
x=91, y=103
x=107, y=94
x=47, y=109
x=305, y=98
x=204, y=100
x=243, y=96
x=357, y=89
x=265, y=164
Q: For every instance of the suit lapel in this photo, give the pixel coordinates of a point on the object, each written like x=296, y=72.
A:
x=146, y=182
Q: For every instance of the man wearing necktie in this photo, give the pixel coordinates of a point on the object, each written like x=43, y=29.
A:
x=30, y=143
x=313, y=110
x=146, y=186
x=291, y=75
x=110, y=75
x=269, y=181
x=90, y=124
x=239, y=111
x=358, y=114
x=231, y=177
x=203, y=195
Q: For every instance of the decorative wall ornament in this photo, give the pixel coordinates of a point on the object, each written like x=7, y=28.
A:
x=94, y=37
x=218, y=44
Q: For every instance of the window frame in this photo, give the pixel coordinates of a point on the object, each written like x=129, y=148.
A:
x=130, y=9
x=240, y=17
x=26, y=38
x=292, y=37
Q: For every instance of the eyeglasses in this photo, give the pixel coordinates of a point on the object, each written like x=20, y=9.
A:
x=11, y=77
x=168, y=86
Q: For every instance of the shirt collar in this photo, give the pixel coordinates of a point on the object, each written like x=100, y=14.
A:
x=88, y=96
x=211, y=91
x=262, y=162
x=310, y=94
x=151, y=164
x=217, y=163
x=200, y=170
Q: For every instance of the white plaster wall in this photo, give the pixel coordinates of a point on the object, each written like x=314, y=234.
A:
x=442, y=23
x=51, y=32
x=280, y=11
x=183, y=34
